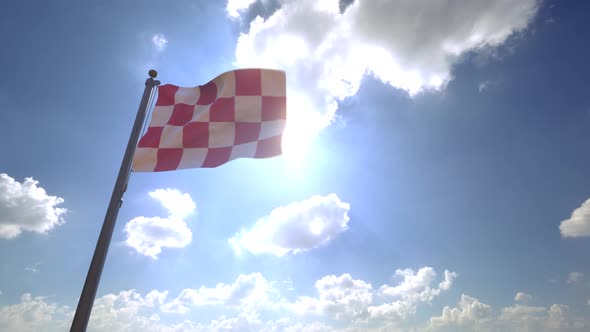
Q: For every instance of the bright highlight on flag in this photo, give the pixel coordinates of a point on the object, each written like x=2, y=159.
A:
x=239, y=114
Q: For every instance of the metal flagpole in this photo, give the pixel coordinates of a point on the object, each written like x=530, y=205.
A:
x=86, y=301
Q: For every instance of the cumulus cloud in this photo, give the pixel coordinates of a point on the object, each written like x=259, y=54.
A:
x=159, y=41
x=354, y=300
x=340, y=297
x=578, y=224
x=32, y=314
x=296, y=227
x=414, y=288
x=408, y=44
x=126, y=311
x=247, y=292
x=522, y=297
x=25, y=207
x=469, y=312
x=251, y=304
x=472, y=315
x=148, y=235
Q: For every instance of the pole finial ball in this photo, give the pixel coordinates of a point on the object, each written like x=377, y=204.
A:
x=153, y=73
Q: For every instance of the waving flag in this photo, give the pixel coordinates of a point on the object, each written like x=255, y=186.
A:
x=239, y=114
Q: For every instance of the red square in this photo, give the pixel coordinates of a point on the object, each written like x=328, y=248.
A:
x=246, y=132
x=223, y=110
x=181, y=114
x=207, y=93
x=217, y=156
x=151, y=139
x=269, y=147
x=248, y=82
x=274, y=108
x=168, y=159
x=166, y=95
x=195, y=135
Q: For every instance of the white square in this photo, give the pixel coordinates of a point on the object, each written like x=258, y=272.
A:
x=201, y=113
x=247, y=150
x=271, y=128
x=273, y=83
x=161, y=115
x=248, y=108
x=192, y=158
x=226, y=84
x=145, y=159
x=187, y=96
x=221, y=134
x=171, y=137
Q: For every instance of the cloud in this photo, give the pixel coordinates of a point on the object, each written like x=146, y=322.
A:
x=296, y=227
x=33, y=268
x=32, y=314
x=247, y=292
x=340, y=297
x=472, y=315
x=148, y=235
x=578, y=224
x=159, y=41
x=485, y=85
x=418, y=284
x=127, y=311
x=234, y=7
x=469, y=312
x=415, y=287
x=574, y=277
x=522, y=297
x=250, y=303
x=25, y=207
x=353, y=300
x=407, y=44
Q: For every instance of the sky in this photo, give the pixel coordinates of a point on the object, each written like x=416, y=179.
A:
x=434, y=176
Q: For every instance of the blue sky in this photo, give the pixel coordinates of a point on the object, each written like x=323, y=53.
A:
x=435, y=175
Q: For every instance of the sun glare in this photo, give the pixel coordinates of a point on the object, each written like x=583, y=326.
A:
x=303, y=125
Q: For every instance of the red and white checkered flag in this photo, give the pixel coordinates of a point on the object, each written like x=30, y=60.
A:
x=240, y=114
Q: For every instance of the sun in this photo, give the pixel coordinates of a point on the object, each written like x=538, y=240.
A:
x=303, y=125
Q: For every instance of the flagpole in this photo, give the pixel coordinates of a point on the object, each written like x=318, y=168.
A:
x=86, y=301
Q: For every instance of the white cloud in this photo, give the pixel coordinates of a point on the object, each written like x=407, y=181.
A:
x=33, y=268
x=32, y=314
x=127, y=311
x=414, y=288
x=159, y=41
x=25, y=207
x=295, y=228
x=247, y=292
x=418, y=285
x=578, y=224
x=469, y=313
x=408, y=44
x=472, y=315
x=574, y=277
x=234, y=7
x=353, y=300
x=251, y=304
x=522, y=297
x=485, y=85
x=340, y=297
x=148, y=235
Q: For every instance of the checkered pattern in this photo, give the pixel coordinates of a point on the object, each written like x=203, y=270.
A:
x=239, y=114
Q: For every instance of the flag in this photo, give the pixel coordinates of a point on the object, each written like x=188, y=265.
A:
x=239, y=114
